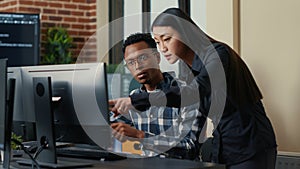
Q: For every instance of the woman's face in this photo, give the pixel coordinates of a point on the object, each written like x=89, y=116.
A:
x=168, y=41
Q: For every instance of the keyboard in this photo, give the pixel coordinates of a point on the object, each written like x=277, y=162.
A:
x=33, y=145
x=88, y=153
x=78, y=151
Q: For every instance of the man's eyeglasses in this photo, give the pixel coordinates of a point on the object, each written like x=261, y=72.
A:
x=130, y=63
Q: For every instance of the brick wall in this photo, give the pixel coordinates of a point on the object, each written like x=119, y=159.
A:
x=77, y=16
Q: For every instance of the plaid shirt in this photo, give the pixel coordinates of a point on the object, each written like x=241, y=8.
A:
x=168, y=127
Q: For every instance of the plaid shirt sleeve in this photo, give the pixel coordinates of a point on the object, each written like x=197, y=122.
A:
x=168, y=127
x=186, y=137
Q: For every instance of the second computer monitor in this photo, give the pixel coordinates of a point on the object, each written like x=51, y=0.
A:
x=3, y=89
x=80, y=101
x=7, y=89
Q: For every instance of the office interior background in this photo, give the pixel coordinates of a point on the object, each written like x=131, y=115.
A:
x=265, y=33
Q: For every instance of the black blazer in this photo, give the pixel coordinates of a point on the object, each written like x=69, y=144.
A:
x=228, y=94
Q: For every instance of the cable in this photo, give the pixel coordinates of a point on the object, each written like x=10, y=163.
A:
x=38, y=151
x=27, y=152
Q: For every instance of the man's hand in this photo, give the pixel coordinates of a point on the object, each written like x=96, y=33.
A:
x=120, y=105
x=120, y=130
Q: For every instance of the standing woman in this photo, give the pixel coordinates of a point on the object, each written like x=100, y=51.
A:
x=243, y=135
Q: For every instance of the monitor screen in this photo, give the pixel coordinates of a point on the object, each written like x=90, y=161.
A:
x=20, y=38
x=80, y=100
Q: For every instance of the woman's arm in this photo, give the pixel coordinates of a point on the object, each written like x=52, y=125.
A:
x=208, y=74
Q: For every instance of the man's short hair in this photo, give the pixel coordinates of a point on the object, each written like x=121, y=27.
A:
x=139, y=37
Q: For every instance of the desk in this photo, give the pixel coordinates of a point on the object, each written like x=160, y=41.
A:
x=157, y=163
x=144, y=163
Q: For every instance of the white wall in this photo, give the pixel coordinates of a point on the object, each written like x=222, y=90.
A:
x=219, y=20
x=102, y=32
x=270, y=33
x=198, y=13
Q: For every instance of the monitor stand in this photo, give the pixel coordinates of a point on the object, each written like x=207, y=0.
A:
x=45, y=128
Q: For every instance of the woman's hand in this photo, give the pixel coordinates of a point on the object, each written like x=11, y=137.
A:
x=120, y=105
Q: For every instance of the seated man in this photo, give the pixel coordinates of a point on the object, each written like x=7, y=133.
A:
x=171, y=131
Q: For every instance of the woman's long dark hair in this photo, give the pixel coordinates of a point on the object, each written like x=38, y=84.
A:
x=186, y=28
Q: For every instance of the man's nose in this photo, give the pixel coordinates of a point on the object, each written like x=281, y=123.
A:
x=137, y=65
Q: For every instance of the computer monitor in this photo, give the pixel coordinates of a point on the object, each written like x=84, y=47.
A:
x=2, y=101
x=3, y=89
x=15, y=73
x=80, y=101
x=23, y=121
x=6, y=110
x=20, y=38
